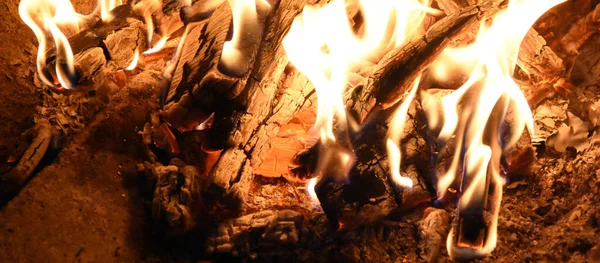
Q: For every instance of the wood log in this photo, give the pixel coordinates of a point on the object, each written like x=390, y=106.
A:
x=205, y=84
x=395, y=73
x=248, y=110
x=433, y=229
x=239, y=236
x=117, y=39
x=45, y=137
x=540, y=64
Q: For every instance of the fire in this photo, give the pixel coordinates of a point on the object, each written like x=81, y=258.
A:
x=395, y=131
x=324, y=46
x=146, y=8
x=134, y=61
x=106, y=6
x=46, y=17
x=246, y=35
x=474, y=119
x=54, y=18
x=158, y=46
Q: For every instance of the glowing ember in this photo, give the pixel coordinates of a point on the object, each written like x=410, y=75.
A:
x=323, y=45
x=477, y=128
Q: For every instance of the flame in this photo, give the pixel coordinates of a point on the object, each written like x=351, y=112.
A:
x=106, y=6
x=206, y=123
x=146, y=8
x=53, y=18
x=44, y=17
x=312, y=194
x=158, y=46
x=246, y=31
x=324, y=46
x=134, y=60
x=396, y=128
x=484, y=102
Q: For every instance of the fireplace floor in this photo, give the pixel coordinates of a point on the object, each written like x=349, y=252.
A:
x=86, y=205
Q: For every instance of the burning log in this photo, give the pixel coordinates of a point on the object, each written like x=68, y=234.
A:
x=115, y=44
x=366, y=196
x=242, y=124
x=209, y=81
x=378, y=95
x=542, y=66
x=398, y=69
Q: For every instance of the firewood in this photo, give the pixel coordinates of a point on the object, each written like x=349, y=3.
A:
x=248, y=111
x=45, y=137
x=206, y=83
x=538, y=60
x=197, y=81
x=396, y=72
x=535, y=57
x=118, y=39
x=241, y=236
x=199, y=10
x=176, y=191
x=346, y=209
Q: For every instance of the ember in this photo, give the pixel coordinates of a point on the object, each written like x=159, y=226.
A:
x=343, y=130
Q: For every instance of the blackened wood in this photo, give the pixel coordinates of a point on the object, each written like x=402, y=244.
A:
x=399, y=68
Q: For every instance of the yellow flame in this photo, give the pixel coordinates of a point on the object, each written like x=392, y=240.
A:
x=146, y=8
x=322, y=45
x=65, y=68
x=158, y=46
x=134, y=61
x=312, y=194
x=106, y=6
x=44, y=17
x=396, y=129
x=325, y=47
x=484, y=101
x=53, y=18
x=246, y=31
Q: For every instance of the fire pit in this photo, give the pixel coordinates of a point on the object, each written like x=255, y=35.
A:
x=354, y=131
